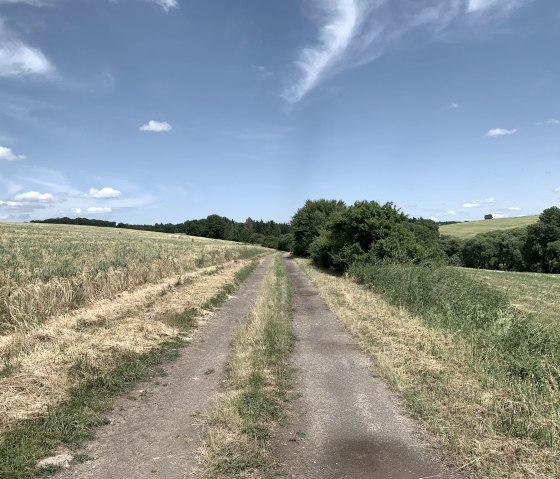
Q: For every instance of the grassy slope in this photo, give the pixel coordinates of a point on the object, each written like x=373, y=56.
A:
x=472, y=228
x=534, y=293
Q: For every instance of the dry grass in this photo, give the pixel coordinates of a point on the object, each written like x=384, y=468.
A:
x=41, y=365
x=441, y=378
x=47, y=270
x=236, y=439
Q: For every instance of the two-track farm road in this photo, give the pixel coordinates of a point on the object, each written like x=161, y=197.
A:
x=158, y=435
x=346, y=422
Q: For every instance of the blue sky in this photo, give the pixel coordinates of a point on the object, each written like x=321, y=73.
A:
x=149, y=111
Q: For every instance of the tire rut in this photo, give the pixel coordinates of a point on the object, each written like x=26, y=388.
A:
x=155, y=432
x=346, y=423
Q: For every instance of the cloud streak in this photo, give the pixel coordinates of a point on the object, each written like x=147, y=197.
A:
x=355, y=32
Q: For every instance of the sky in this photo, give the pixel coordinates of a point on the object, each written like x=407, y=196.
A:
x=146, y=111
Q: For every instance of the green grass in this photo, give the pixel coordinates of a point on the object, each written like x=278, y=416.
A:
x=472, y=228
x=74, y=421
x=514, y=350
x=537, y=294
x=236, y=442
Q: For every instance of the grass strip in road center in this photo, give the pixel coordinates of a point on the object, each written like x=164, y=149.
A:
x=237, y=439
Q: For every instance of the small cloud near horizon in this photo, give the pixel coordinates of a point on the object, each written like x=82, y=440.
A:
x=497, y=132
x=103, y=193
x=156, y=126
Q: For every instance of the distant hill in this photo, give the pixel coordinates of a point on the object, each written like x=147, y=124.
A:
x=472, y=228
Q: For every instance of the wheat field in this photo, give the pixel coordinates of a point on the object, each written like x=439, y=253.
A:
x=50, y=269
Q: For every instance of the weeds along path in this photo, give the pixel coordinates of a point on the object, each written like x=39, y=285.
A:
x=155, y=431
x=346, y=423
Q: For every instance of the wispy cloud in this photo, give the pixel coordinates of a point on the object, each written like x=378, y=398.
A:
x=454, y=105
x=552, y=121
x=167, y=4
x=355, y=32
x=8, y=155
x=99, y=209
x=156, y=126
x=489, y=200
x=557, y=190
x=471, y=204
x=514, y=208
x=103, y=193
x=19, y=59
x=497, y=132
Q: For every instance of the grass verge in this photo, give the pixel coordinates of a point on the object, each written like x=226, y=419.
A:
x=236, y=441
x=73, y=421
x=495, y=418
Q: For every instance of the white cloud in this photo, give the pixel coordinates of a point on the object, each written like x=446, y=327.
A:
x=451, y=213
x=104, y=193
x=9, y=204
x=355, y=32
x=98, y=209
x=18, y=59
x=8, y=155
x=552, y=121
x=496, y=132
x=496, y=5
x=557, y=190
x=489, y=200
x=433, y=218
x=514, y=208
x=34, y=197
x=498, y=215
x=77, y=211
x=167, y=4
x=471, y=204
x=454, y=105
x=156, y=126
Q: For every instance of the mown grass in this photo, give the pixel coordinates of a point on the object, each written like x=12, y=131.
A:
x=535, y=293
x=469, y=229
x=509, y=361
x=74, y=421
x=50, y=269
x=236, y=440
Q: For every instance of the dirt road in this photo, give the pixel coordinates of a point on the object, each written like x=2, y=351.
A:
x=155, y=431
x=346, y=424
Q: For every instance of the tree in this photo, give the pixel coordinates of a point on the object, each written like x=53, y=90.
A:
x=488, y=217
x=308, y=222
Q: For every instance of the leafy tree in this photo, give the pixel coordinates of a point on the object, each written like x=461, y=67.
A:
x=488, y=217
x=309, y=220
x=541, y=252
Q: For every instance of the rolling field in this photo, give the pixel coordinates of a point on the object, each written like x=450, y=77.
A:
x=49, y=269
x=534, y=293
x=76, y=303
x=472, y=228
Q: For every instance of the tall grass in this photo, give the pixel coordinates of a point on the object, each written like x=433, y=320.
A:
x=511, y=350
x=49, y=269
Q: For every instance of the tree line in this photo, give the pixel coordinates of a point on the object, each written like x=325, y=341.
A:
x=265, y=233
x=336, y=236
